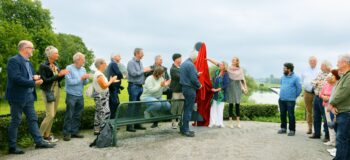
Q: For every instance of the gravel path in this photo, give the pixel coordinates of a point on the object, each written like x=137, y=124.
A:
x=255, y=141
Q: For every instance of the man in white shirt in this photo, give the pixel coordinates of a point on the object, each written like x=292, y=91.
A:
x=306, y=78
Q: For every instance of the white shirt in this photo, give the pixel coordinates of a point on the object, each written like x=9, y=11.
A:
x=307, y=77
x=97, y=86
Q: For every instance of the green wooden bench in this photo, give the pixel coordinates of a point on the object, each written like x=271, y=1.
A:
x=125, y=116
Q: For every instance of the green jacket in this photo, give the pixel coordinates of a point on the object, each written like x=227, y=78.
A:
x=341, y=98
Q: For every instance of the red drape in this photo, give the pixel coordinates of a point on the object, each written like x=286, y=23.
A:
x=204, y=95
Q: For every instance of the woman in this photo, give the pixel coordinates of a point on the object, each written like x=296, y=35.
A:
x=52, y=76
x=101, y=95
x=237, y=86
x=153, y=90
x=220, y=83
x=325, y=95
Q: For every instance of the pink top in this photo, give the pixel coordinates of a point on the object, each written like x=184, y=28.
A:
x=326, y=91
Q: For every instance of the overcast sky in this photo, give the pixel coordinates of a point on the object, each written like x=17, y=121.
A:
x=262, y=33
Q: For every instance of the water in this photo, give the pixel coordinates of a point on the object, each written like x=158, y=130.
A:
x=265, y=97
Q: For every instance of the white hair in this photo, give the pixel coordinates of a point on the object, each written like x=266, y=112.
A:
x=50, y=50
x=313, y=58
x=193, y=55
x=99, y=62
x=23, y=43
x=77, y=56
x=327, y=63
x=114, y=54
x=345, y=57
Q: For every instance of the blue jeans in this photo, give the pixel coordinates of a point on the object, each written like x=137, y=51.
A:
x=156, y=106
x=287, y=106
x=190, y=98
x=113, y=102
x=16, y=110
x=319, y=114
x=72, y=117
x=343, y=136
x=135, y=92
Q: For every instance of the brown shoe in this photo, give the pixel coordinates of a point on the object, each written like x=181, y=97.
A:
x=309, y=132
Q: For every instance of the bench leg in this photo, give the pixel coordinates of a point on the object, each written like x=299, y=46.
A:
x=114, y=136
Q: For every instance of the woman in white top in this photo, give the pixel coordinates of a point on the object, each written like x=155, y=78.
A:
x=101, y=95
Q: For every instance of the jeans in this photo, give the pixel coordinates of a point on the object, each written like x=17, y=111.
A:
x=16, y=110
x=75, y=106
x=135, y=92
x=190, y=97
x=343, y=136
x=287, y=106
x=113, y=102
x=319, y=114
x=156, y=106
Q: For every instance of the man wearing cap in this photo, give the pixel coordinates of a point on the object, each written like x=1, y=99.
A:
x=175, y=86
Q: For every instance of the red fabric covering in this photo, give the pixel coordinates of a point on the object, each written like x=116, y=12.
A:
x=204, y=95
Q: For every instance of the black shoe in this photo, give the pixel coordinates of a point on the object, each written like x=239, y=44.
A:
x=291, y=133
x=188, y=134
x=77, y=135
x=154, y=125
x=282, y=131
x=326, y=139
x=15, y=151
x=44, y=145
x=139, y=127
x=66, y=137
x=130, y=129
x=315, y=137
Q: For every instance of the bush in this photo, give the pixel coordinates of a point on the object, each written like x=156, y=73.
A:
x=250, y=111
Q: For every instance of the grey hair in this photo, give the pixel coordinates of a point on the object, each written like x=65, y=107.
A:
x=77, y=56
x=114, y=54
x=50, y=50
x=137, y=50
x=313, y=58
x=327, y=64
x=99, y=62
x=157, y=56
x=193, y=55
x=23, y=43
x=345, y=57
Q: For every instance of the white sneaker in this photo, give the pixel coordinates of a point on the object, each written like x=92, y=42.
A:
x=211, y=126
x=147, y=115
x=329, y=143
x=50, y=139
x=174, y=125
x=332, y=151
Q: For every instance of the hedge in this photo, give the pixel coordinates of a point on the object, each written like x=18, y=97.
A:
x=248, y=112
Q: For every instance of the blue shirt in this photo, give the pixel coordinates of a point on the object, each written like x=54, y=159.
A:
x=135, y=72
x=189, y=75
x=74, y=84
x=290, y=87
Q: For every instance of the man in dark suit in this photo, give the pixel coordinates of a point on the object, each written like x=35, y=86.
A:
x=190, y=84
x=114, y=88
x=20, y=93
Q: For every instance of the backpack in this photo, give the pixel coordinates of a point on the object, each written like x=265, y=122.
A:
x=104, y=139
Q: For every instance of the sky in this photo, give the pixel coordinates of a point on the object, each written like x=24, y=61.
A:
x=264, y=34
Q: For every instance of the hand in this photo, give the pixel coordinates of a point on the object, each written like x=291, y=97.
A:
x=167, y=83
x=334, y=110
x=325, y=98
x=147, y=69
x=213, y=90
x=39, y=82
x=36, y=77
x=113, y=79
x=85, y=76
x=199, y=73
x=63, y=72
x=162, y=84
x=200, y=86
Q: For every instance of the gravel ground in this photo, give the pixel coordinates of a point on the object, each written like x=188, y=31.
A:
x=254, y=141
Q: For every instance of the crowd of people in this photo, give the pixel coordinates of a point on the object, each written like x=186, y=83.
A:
x=326, y=94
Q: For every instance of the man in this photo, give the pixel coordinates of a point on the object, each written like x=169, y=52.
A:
x=114, y=88
x=117, y=58
x=340, y=104
x=136, y=79
x=318, y=109
x=290, y=90
x=75, y=81
x=175, y=86
x=21, y=94
x=306, y=78
x=190, y=84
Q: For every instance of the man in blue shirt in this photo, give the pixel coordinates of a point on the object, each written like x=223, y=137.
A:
x=75, y=81
x=21, y=94
x=290, y=90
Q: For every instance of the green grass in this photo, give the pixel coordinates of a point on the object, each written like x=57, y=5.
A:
x=40, y=105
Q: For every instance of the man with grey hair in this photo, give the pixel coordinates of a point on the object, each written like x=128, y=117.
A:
x=190, y=84
x=340, y=106
x=117, y=59
x=21, y=94
x=318, y=108
x=306, y=78
x=75, y=81
x=136, y=78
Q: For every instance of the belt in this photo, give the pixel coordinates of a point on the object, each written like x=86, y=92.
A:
x=130, y=83
x=308, y=92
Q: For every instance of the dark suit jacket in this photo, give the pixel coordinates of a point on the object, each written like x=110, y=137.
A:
x=113, y=70
x=18, y=83
x=189, y=75
x=48, y=77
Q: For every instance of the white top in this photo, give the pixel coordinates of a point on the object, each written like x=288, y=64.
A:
x=95, y=84
x=307, y=77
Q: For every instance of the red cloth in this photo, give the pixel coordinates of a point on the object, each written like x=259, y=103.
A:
x=204, y=95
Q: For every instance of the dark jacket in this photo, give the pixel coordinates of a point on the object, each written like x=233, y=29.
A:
x=113, y=70
x=48, y=77
x=224, y=84
x=165, y=76
x=175, y=85
x=189, y=75
x=18, y=84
